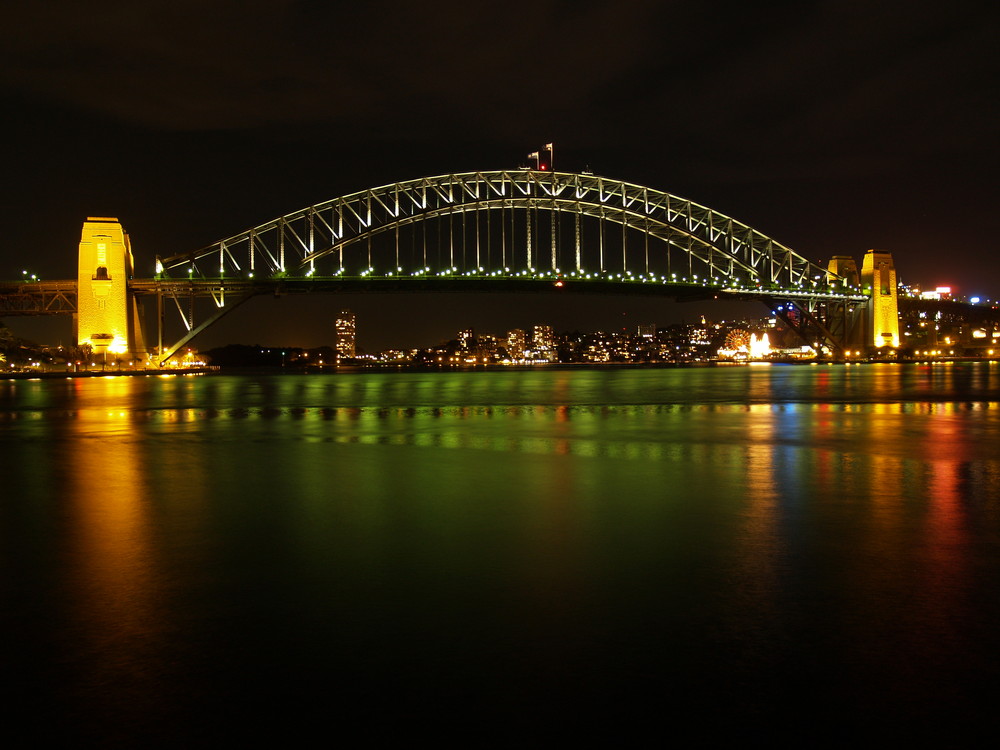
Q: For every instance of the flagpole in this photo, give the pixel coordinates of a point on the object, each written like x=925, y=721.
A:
x=552, y=156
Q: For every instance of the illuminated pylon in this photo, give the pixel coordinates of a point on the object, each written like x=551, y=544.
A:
x=107, y=318
x=878, y=279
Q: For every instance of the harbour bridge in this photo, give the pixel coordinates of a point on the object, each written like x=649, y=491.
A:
x=523, y=230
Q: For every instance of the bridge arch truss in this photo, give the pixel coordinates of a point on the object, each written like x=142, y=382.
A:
x=507, y=230
x=506, y=223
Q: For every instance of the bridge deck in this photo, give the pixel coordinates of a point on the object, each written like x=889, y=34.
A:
x=38, y=297
x=514, y=283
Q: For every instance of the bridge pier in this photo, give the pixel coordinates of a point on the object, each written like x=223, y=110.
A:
x=831, y=327
x=851, y=323
x=878, y=279
x=107, y=317
x=873, y=326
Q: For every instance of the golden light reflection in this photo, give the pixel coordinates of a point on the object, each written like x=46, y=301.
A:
x=116, y=595
x=946, y=534
x=759, y=541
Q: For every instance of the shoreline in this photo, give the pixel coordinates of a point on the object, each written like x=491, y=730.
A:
x=410, y=367
x=63, y=375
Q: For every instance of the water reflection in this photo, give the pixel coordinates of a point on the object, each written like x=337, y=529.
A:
x=114, y=584
x=455, y=539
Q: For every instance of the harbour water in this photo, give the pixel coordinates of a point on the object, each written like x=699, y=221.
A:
x=805, y=554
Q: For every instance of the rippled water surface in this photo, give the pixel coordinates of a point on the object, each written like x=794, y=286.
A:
x=505, y=557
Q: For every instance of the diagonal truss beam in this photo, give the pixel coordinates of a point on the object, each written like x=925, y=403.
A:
x=220, y=312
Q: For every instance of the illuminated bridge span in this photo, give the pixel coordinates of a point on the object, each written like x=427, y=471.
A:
x=503, y=231
x=518, y=230
x=509, y=224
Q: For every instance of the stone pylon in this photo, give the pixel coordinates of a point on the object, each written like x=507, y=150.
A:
x=878, y=279
x=107, y=316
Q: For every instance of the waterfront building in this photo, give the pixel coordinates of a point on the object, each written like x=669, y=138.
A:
x=346, y=330
x=467, y=338
x=543, y=343
x=596, y=348
x=516, y=344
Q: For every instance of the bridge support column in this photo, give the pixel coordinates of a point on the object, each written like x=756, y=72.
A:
x=107, y=317
x=851, y=328
x=842, y=269
x=829, y=327
x=878, y=279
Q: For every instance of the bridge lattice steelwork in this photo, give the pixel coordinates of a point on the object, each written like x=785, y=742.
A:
x=508, y=230
x=518, y=223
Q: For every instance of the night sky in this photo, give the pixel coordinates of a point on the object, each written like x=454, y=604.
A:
x=833, y=127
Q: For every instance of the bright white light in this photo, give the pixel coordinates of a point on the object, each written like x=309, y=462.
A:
x=759, y=347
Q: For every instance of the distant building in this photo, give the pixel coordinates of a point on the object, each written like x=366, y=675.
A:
x=486, y=347
x=596, y=347
x=647, y=330
x=516, y=344
x=466, y=338
x=543, y=343
x=941, y=292
x=345, y=332
x=543, y=337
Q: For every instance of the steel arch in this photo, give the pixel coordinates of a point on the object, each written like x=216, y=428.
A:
x=727, y=250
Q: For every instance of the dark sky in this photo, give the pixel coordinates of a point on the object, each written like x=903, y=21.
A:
x=833, y=127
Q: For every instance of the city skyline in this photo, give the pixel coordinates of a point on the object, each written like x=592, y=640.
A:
x=925, y=335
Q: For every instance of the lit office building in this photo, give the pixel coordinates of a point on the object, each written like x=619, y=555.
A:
x=543, y=343
x=516, y=343
x=345, y=330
